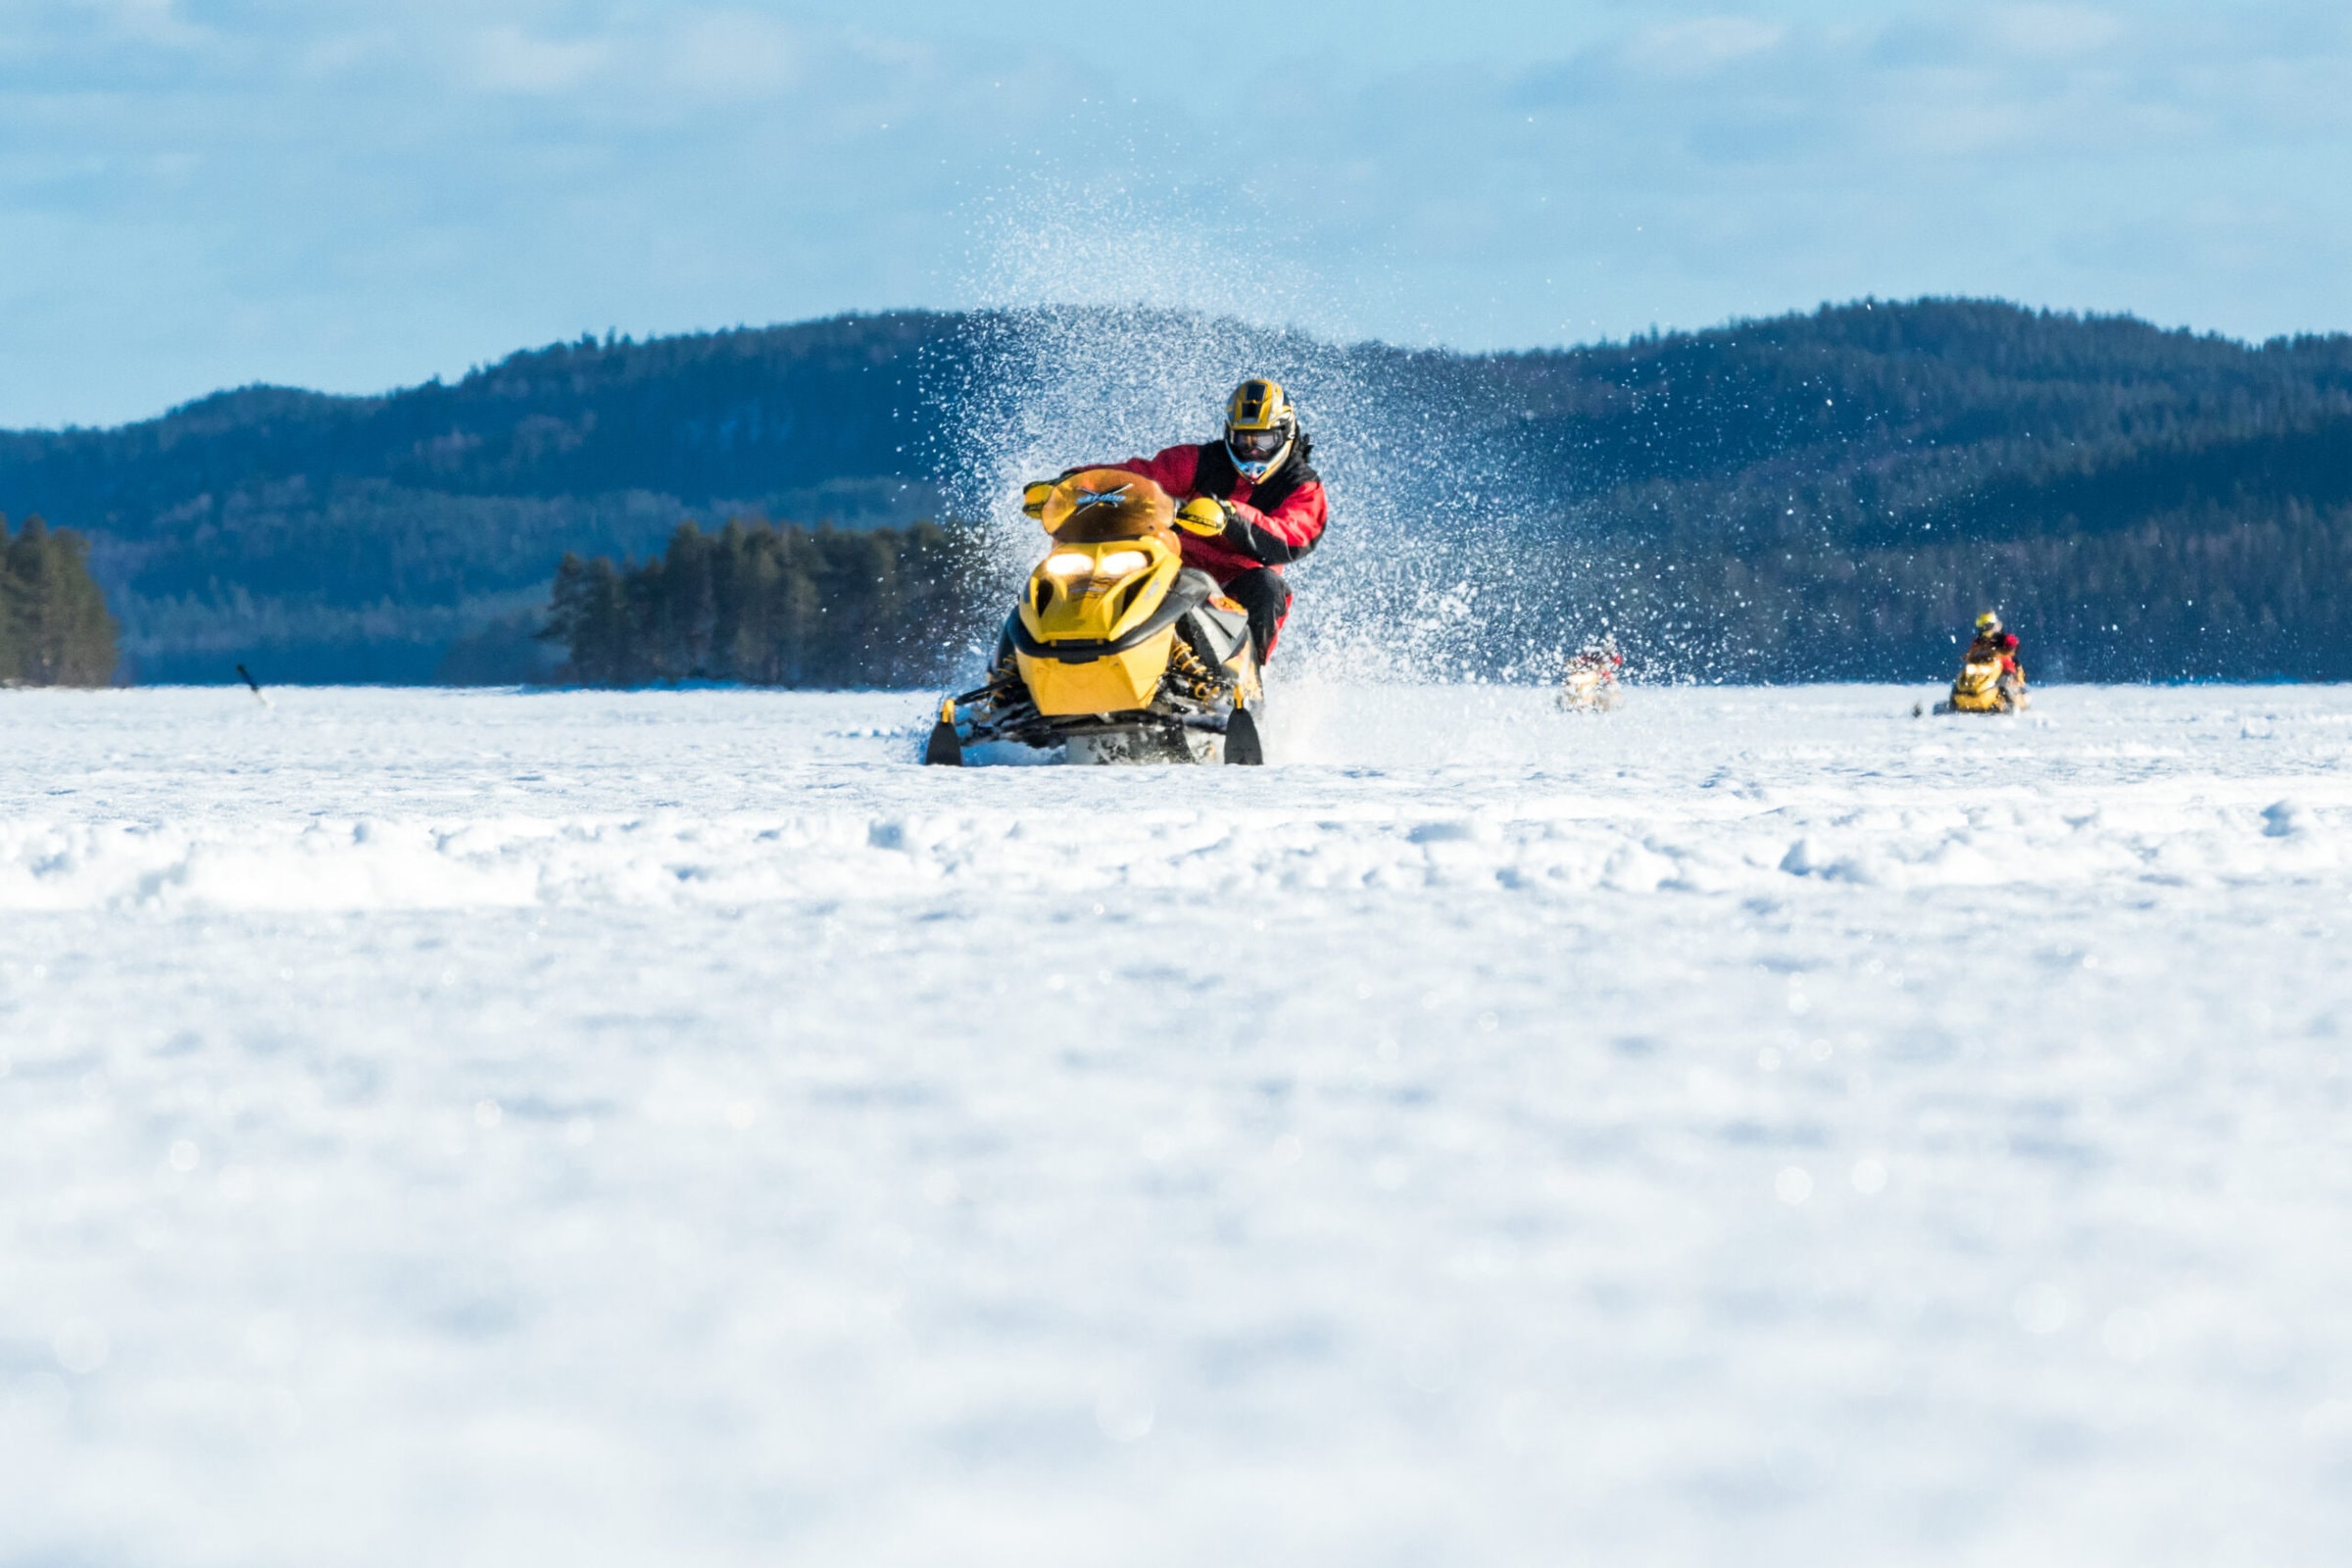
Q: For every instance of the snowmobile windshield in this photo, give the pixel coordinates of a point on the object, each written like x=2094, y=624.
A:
x=1096, y=505
x=1256, y=446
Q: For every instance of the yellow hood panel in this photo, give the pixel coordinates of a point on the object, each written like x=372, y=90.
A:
x=1115, y=684
x=1073, y=598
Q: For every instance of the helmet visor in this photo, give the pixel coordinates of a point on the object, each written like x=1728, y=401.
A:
x=1256, y=446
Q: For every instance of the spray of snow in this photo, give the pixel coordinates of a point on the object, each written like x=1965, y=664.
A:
x=1118, y=331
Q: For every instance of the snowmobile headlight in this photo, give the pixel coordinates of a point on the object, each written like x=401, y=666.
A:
x=1121, y=563
x=1069, y=564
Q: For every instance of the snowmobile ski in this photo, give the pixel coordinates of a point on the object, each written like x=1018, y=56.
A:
x=945, y=748
x=1243, y=747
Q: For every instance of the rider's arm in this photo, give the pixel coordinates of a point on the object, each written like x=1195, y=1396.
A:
x=1172, y=470
x=1285, y=534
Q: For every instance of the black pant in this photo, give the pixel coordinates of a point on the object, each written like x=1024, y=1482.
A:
x=1260, y=591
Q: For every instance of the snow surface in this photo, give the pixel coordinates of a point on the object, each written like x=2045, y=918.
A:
x=1757, y=1126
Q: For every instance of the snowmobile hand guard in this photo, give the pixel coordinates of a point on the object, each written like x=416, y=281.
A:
x=1204, y=515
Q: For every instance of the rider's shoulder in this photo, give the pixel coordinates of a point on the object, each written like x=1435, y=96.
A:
x=1302, y=464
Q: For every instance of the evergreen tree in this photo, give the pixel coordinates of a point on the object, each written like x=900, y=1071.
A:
x=54, y=625
x=770, y=606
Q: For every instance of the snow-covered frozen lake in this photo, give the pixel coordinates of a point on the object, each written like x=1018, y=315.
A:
x=1754, y=1127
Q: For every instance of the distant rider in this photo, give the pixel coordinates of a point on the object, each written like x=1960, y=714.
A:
x=1992, y=645
x=1995, y=645
x=1598, y=657
x=1251, y=505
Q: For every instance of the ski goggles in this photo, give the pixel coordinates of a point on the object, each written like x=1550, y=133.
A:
x=1256, y=446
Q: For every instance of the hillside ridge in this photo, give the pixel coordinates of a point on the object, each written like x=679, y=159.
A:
x=333, y=537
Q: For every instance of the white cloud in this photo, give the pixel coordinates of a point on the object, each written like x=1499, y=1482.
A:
x=1701, y=44
x=2053, y=32
x=507, y=58
x=1963, y=123
x=341, y=54
x=149, y=22
x=734, y=54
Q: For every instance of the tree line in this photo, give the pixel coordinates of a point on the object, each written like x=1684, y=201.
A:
x=1834, y=496
x=2206, y=592
x=54, y=627
x=1816, y=495
x=770, y=605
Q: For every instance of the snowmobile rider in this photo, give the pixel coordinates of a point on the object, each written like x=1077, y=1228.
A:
x=1249, y=504
x=1600, y=654
x=1995, y=646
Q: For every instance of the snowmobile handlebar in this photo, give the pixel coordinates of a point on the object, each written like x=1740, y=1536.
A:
x=1204, y=516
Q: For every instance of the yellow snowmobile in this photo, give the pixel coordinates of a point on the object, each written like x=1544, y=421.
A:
x=1117, y=651
x=1985, y=687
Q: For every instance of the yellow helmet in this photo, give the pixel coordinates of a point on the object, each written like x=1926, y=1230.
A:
x=1261, y=424
x=1989, y=622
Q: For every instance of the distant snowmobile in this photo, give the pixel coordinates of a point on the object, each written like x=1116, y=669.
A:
x=1591, y=684
x=1985, y=688
x=1117, y=651
x=1991, y=679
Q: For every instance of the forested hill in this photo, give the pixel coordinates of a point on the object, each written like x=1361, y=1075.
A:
x=1836, y=493
x=1819, y=494
x=345, y=538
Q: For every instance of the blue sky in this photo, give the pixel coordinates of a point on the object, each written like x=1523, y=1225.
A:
x=358, y=196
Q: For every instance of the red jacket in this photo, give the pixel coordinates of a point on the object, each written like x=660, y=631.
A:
x=1272, y=537
x=2001, y=651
